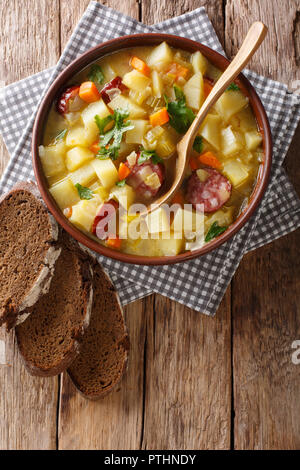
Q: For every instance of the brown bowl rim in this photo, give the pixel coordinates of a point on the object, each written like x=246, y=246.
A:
x=114, y=45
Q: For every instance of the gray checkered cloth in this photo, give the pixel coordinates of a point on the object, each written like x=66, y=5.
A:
x=200, y=283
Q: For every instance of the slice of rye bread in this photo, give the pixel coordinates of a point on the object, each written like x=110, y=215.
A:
x=103, y=357
x=28, y=251
x=50, y=338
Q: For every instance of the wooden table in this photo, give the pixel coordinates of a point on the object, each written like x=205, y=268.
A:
x=193, y=382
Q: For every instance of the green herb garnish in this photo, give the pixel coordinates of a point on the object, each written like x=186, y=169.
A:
x=102, y=122
x=95, y=74
x=145, y=155
x=84, y=193
x=198, y=144
x=181, y=117
x=214, y=231
x=121, y=183
x=60, y=136
x=110, y=141
x=233, y=87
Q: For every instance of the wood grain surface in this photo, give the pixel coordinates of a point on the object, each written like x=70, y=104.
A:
x=193, y=382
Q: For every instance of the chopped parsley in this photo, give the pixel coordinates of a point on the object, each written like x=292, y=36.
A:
x=121, y=183
x=145, y=155
x=181, y=117
x=214, y=231
x=60, y=136
x=102, y=122
x=198, y=144
x=84, y=193
x=233, y=87
x=110, y=141
x=95, y=74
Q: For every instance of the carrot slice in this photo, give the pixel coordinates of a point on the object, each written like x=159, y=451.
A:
x=123, y=171
x=114, y=242
x=209, y=159
x=178, y=198
x=159, y=118
x=95, y=147
x=140, y=66
x=88, y=92
x=207, y=86
x=193, y=164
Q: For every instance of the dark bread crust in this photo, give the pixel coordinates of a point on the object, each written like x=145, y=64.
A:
x=38, y=337
x=11, y=307
x=100, y=366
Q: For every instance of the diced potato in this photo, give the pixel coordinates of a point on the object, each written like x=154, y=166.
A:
x=230, y=103
x=236, y=172
x=158, y=221
x=193, y=90
x=106, y=172
x=77, y=156
x=199, y=62
x=232, y=141
x=81, y=136
x=157, y=84
x=224, y=217
x=124, y=195
x=140, y=96
x=88, y=114
x=84, y=213
x=65, y=193
x=210, y=130
x=121, y=102
x=135, y=135
x=244, y=120
x=161, y=54
x=84, y=175
x=188, y=221
x=165, y=146
x=53, y=158
x=136, y=80
x=102, y=193
x=253, y=140
x=170, y=247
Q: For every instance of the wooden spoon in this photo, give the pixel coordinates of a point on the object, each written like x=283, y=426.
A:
x=253, y=40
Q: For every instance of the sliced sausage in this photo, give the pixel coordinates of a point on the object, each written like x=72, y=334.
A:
x=101, y=222
x=69, y=101
x=142, y=173
x=114, y=83
x=212, y=193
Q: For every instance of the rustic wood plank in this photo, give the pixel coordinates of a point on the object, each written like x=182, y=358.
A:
x=188, y=378
x=188, y=369
x=115, y=422
x=29, y=42
x=266, y=287
x=278, y=56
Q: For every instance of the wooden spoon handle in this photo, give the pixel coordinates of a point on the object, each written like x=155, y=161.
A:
x=252, y=41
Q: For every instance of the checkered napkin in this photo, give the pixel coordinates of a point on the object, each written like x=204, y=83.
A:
x=200, y=283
